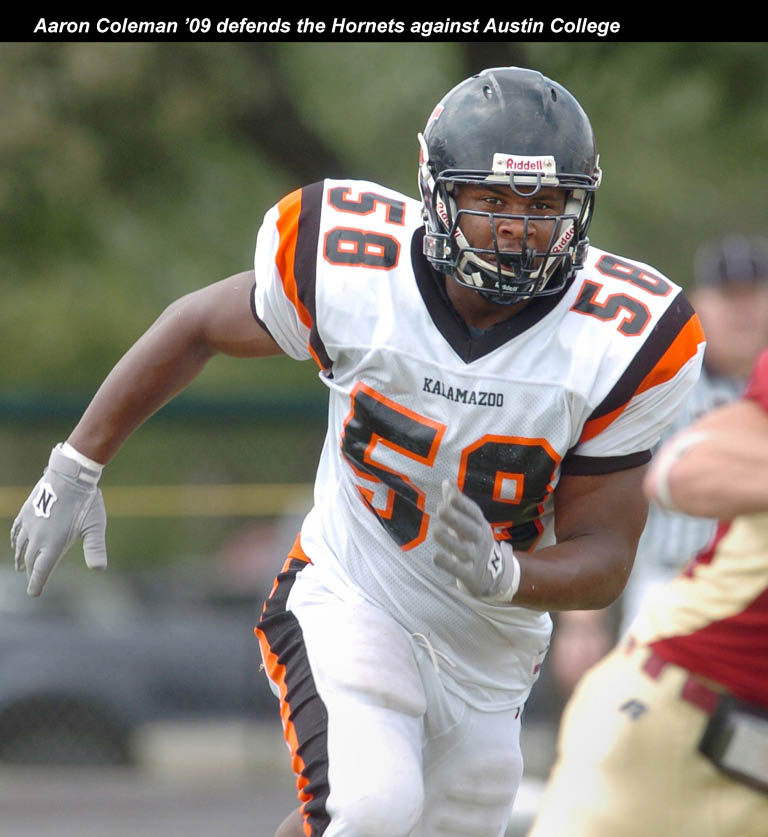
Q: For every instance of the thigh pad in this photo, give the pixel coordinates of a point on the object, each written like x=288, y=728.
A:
x=355, y=647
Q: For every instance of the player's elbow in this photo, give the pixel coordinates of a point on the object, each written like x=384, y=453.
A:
x=597, y=581
x=611, y=576
x=184, y=322
x=608, y=590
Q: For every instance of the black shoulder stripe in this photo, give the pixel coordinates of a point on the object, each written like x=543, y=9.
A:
x=305, y=263
x=587, y=466
x=659, y=340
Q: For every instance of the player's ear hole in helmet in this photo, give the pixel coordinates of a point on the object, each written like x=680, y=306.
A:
x=514, y=128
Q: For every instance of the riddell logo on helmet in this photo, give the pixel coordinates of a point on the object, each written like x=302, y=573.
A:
x=506, y=163
x=565, y=238
x=442, y=214
x=525, y=165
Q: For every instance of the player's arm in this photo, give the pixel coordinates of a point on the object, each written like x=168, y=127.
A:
x=174, y=350
x=66, y=504
x=717, y=467
x=598, y=522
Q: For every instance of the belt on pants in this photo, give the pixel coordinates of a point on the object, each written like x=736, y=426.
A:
x=695, y=691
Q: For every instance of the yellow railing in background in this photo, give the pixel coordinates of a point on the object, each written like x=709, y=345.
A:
x=245, y=500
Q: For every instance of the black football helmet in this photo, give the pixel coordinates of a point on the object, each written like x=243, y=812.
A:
x=513, y=127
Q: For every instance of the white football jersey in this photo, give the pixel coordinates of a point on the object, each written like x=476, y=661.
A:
x=581, y=382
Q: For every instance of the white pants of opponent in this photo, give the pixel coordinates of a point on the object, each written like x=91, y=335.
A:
x=628, y=762
x=379, y=747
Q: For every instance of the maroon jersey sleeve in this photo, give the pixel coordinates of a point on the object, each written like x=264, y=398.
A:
x=757, y=389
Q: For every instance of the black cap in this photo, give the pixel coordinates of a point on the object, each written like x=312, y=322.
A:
x=733, y=260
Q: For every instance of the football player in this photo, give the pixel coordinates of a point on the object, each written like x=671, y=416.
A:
x=495, y=385
x=668, y=735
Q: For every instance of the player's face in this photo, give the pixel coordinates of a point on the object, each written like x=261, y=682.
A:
x=509, y=231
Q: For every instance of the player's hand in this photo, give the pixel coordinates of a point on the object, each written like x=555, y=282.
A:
x=65, y=504
x=487, y=568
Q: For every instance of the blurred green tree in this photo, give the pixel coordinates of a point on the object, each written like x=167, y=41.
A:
x=132, y=173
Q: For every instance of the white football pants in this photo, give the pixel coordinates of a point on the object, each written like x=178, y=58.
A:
x=380, y=748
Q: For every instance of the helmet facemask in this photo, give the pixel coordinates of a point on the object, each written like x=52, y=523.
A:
x=503, y=276
x=510, y=276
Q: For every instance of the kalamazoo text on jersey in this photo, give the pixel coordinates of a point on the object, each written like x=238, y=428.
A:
x=463, y=396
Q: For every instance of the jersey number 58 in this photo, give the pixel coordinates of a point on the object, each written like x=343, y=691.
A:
x=509, y=477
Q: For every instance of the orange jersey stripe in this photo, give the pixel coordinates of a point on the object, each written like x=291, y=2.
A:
x=680, y=351
x=296, y=551
x=289, y=209
x=595, y=426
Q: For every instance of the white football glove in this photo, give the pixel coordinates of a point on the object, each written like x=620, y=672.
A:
x=64, y=505
x=485, y=567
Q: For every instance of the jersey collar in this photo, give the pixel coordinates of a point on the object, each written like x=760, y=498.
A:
x=470, y=343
